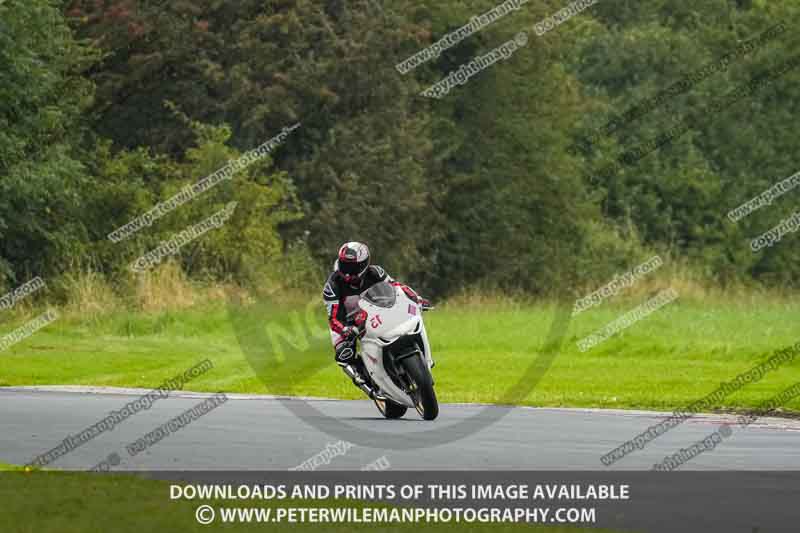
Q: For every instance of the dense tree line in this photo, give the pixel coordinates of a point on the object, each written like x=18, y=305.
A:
x=109, y=107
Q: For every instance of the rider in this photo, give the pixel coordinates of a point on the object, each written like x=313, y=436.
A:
x=353, y=274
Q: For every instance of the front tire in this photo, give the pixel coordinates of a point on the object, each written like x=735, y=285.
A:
x=389, y=409
x=422, y=382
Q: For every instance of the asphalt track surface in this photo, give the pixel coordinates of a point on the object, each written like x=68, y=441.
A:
x=261, y=433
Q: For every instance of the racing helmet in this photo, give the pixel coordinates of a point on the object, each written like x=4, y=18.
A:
x=352, y=262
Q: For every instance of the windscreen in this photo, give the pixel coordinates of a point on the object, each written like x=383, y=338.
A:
x=381, y=294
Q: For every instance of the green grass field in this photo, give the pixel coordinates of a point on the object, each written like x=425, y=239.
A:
x=678, y=354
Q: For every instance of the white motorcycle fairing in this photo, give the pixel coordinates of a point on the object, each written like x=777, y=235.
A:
x=383, y=326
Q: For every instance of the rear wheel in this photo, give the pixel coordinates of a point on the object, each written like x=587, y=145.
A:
x=389, y=409
x=421, y=387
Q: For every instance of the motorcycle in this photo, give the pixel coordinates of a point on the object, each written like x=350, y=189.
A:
x=395, y=352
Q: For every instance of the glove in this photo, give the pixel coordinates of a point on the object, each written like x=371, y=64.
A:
x=361, y=318
x=350, y=332
x=425, y=304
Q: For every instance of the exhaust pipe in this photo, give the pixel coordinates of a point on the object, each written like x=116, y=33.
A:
x=358, y=380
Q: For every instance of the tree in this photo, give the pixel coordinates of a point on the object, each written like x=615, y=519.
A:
x=42, y=98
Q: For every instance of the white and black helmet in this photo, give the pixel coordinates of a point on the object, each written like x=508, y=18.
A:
x=353, y=261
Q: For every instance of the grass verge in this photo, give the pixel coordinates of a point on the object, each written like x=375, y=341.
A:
x=676, y=355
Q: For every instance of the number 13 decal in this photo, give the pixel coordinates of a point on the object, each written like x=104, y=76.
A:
x=376, y=321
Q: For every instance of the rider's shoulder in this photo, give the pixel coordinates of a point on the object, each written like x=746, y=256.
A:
x=331, y=289
x=378, y=272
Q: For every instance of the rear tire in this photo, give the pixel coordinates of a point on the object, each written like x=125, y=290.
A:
x=389, y=409
x=424, y=395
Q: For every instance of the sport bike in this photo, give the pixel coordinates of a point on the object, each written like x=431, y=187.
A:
x=395, y=352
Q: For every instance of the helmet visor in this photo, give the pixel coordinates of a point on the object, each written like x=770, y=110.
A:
x=353, y=268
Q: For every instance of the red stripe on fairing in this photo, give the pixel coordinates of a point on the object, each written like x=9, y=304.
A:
x=406, y=289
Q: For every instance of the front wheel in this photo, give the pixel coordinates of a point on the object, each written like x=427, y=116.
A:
x=389, y=409
x=421, y=387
